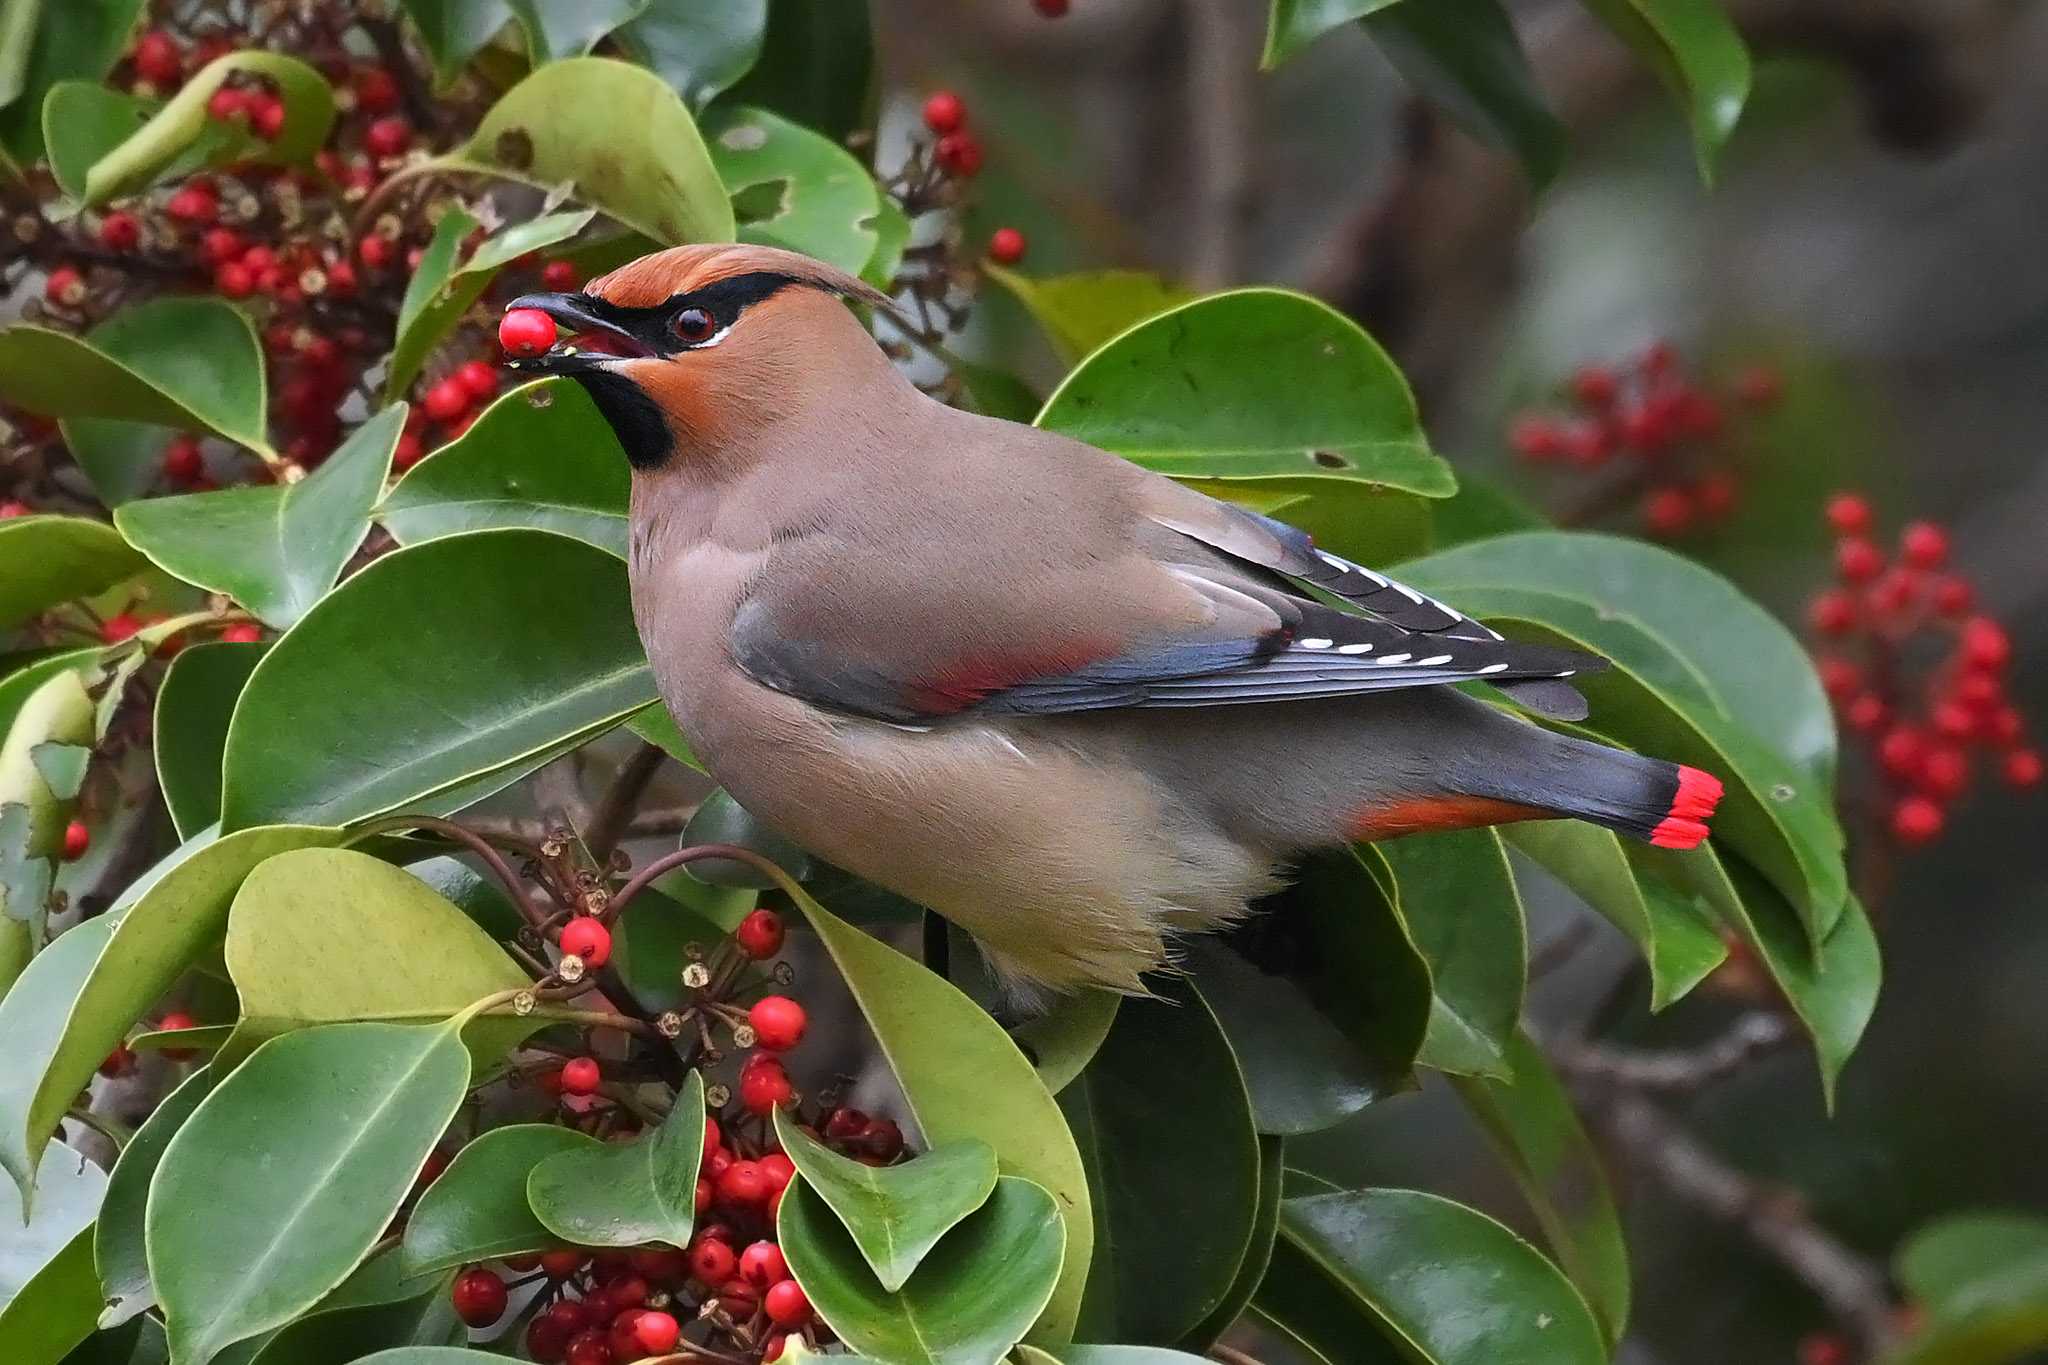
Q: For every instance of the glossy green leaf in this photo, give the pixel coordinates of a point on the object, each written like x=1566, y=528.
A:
x=444, y=286
x=616, y=137
x=1061, y=1041
x=84, y=120
x=1176, y=1219
x=1292, y=25
x=17, y=687
x=184, y=120
x=895, y=1214
x=45, y=560
x=1258, y=1253
x=1677, y=942
x=432, y=1355
x=176, y=361
x=245, y=1235
x=655, y=725
x=719, y=819
x=525, y=639
x=555, y=30
x=324, y=935
x=1081, y=312
x=1251, y=384
x=275, y=548
x=630, y=1193
x=1466, y=56
x=700, y=50
x=996, y=393
x=1695, y=48
x=1480, y=510
x=651, y=942
x=539, y=457
x=476, y=1210
x=73, y=40
x=17, y=36
x=55, y=1310
x=1531, y=1122
x=120, y=1257
x=1752, y=666
x=373, y=1308
x=794, y=188
x=32, y=814
x=1459, y=901
x=892, y=236
x=92, y=998
x=1312, y=1314
x=453, y=31
x=971, y=1300
x=1480, y=1297
x=816, y=66
x=962, y=1077
x=71, y=1191
x=1982, y=1281
x=193, y=708
x=1108, y=1355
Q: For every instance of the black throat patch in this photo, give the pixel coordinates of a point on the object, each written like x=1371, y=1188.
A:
x=635, y=418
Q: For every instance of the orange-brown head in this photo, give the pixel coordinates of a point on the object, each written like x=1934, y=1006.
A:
x=696, y=347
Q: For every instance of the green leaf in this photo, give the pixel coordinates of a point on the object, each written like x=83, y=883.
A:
x=32, y=815
x=1480, y=510
x=453, y=31
x=895, y=1214
x=17, y=37
x=119, y=1255
x=1061, y=1041
x=244, y=1236
x=615, y=137
x=555, y=31
x=962, y=1077
x=277, y=548
x=1982, y=1279
x=1459, y=901
x=1466, y=56
x=650, y=943
x=655, y=725
x=1752, y=666
x=1307, y=1310
x=1258, y=1254
x=1176, y=1218
x=432, y=1355
x=1695, y=48
x=816, y=67
x=1481, y=1296
x=540, y=457
x=719, y=819
x=971, y=1300
x=1292, y=25
x=700, y=50
x=343, y=1328
x=793, y=188
x=74, y=39
x=17, y=687
x=188, y=362
x=549, y=614
x=1676, y=940
x=444, y=286
x=72, y=1188
x=631, y=1193
x=892, y=235
x=192, y=711
x=84, y=120
x=1533, y=1126
x=476, y=1210
x=92, y=997
x=45, y=560
x=184, y=120
x=324, y=935
x=1082, y=312
x=1251, y=384
x=55, y=1310
x=997, y=393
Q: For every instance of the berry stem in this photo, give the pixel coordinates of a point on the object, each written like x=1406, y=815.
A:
x=469, y=839
x=682, y=857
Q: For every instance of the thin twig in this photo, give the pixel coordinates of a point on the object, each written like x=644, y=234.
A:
x=609, y=822
x=1754, y=1035
x=470, y=840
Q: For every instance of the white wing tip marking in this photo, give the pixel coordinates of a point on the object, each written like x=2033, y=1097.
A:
x=1433, y=660
x=1354, y=649
x=1314, y=642
x=1494, y=668
x=1393, y=658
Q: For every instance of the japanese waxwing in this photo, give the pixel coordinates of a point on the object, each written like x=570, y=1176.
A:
x=1067, y=703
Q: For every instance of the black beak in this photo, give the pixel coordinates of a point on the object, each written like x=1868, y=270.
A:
x=601, y=339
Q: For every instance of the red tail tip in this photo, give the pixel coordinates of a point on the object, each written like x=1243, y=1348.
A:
x=1691, y=807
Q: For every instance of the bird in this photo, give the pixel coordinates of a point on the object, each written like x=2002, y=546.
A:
x=1074, y=707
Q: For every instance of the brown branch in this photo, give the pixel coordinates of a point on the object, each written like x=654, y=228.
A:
x=615, y=812
x=391, y=54
x=1222, y=88
x=1755, y=1035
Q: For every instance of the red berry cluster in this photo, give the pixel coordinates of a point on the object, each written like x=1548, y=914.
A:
x=957, y=152
x=1659, y=437
x=1916, y=672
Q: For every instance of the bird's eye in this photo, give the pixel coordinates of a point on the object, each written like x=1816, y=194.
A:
x=694, y=325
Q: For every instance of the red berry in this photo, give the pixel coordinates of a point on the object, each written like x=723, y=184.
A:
x=1832, y=612
x=65, y=287
x=959, y=154
x=1858, y=561
x=586, y=936
x=2022, y=768
x=772, y=1347
x=571, y=1315
x=580, y=1076
x=376, y=89
x=738, y=1298
x=243, y=633
x=228, y=105
x=1759, y=386
x=478, y=1296
x=1953, y=596
x=762, y=1264
x=341, y=279
x=220, y=244
x=1645, y=429
x=845, y=1122
x=546, y=1340
x=13, y=507
x=1867, y=714
x=1823, y=1348
x=1536, y=437
x=883, y=1138
x=446, y=401
x=716, y=1161
x=759, y=935
x=1916, y=820
x=657, y=1332
x=409, y=451
x=77, y=839
x=1954, y=721
x=1923, y=545
x=1944, y=773
x=171, y=1023
x=778, y=1022
x=375, y=251
x=944, y=112
x=183, y=460
x=786, y=1305
x=1849, y=514
x=157, y=59
x=234, y=280
x=1595, y=385
x=1006, y=246
x=1587, y=444
x=478, y=378
x=119, y=1062
x=120, y=231
x=559, y=276
x=562, y=1263
x=712, y=1136
x=526, y=333
x=1900, y=751
x=620, y=1338
x=1051, y=9
x=742, y=1184
x=193, y=204
x=388, y=136
x=765, y=1087
x=588, y=1347
x=779, y=1169
x=118, y=627
x=267, y=117
x=712, y=1260
x=2003, y=727
x=1895, y=593
x=1717, y=494
x=1985, y=644
x=1668, y=512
